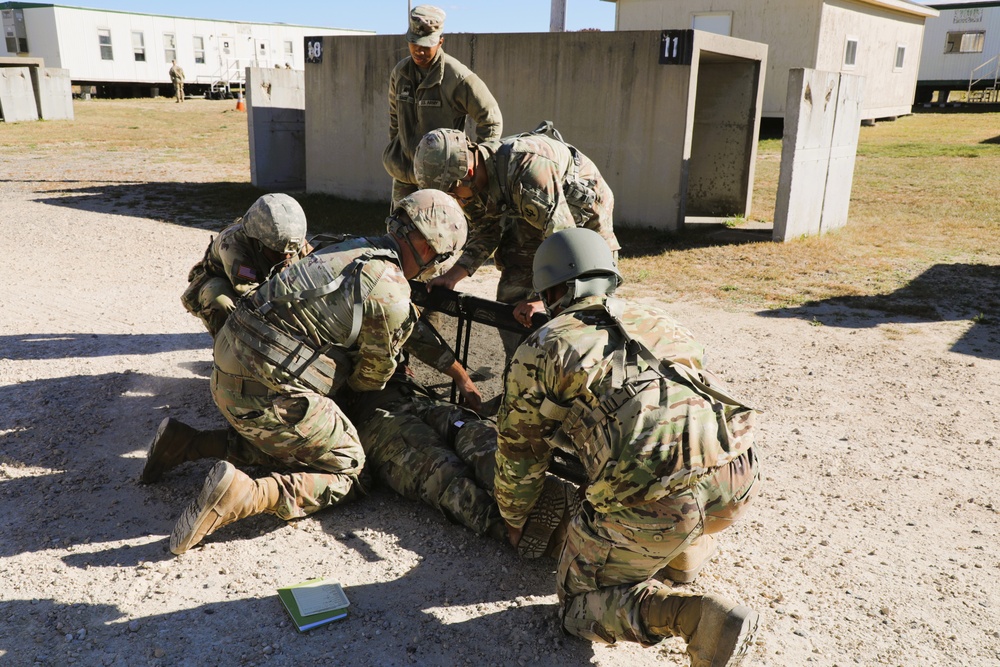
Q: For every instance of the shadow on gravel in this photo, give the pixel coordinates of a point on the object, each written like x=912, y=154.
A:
x=26, y=347
x=945, y=292
x=214, y=205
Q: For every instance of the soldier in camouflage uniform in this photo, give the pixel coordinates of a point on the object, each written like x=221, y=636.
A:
x=335, y=321
x=441, y=454
x=668, y=454
x=271, y=235
x=429, y=89
x=516, y=192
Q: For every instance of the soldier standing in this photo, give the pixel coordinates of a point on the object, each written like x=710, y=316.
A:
x=337, y=319
x=516, y=192
x=177, y=78
x=429, y=89
x=272, y=233
x=668, y=454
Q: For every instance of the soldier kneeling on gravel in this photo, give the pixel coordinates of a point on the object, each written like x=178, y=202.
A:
x=271, y=235
x=667, y=450
x=334, y=321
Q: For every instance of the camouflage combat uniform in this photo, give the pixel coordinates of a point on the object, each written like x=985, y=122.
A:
x=288, y=348
x=233, y=265
x=537, y=186
x=660, y=476
x=422, y=101
x=443, y=455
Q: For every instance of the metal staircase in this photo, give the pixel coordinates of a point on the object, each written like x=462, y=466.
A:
x=990, y=94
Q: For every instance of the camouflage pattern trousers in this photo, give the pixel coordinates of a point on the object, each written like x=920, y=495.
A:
x=302, y=435
x=608, y=563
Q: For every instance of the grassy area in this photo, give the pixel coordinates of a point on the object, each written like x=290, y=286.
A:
x=926, y=193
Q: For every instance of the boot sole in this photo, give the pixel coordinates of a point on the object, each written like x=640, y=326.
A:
x=150, y=474
x=219, y=479
x=738, y=637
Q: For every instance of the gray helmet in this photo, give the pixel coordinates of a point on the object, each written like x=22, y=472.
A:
x=278, y=222
x=436, y=216
x=441, y=159
x=580, y=255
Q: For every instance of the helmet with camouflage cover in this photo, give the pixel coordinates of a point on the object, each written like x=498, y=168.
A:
x=578, y=256
x=436, y=216
x=441, y=159
x=278, y=222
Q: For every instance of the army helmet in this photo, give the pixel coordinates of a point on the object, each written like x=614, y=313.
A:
x=572, y=254
x=437, y=216
x=441, y=159
x=278, y=222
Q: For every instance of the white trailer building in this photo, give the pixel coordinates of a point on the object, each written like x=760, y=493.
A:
x=961, y=51
x=128, y=53
x=877, y=39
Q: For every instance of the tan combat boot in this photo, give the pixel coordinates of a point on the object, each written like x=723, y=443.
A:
x=718, y=632
x=685, y=568
x=227, y=495
x=175, y=442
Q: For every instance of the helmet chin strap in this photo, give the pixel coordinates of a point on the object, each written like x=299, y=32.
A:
x=580, y=288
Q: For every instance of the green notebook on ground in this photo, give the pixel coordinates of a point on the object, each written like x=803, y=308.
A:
x=314, y=602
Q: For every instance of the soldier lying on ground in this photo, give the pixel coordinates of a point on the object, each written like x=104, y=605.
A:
x=668, y=454
x=270, y=235
x=337, y=319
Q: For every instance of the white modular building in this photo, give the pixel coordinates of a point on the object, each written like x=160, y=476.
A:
x=877, y=39
x=961, y=51
x=129, y=53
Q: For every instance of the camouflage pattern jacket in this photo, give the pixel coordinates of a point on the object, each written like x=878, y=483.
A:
x=388, y=318
x=440, y=97
x=569, y=362
x=536, y=187
x=236, y=257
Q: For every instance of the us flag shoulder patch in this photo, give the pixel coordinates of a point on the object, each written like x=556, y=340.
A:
x=247, y=273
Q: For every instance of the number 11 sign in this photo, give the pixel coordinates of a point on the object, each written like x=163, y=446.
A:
x=675, y=47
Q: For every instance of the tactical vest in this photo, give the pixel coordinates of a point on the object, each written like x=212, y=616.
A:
x=655, y=431
x=578, y=192
x=323, y=369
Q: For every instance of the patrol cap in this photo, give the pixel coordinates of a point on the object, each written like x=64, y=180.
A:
x=426, y=25
x=278, y=222
x=571, y=254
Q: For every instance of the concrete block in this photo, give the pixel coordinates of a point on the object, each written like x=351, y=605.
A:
x=53, y=93
x=276, y=122
x=822, y=121
x=17, y=98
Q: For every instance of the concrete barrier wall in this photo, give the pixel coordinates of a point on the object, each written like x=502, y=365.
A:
x=822, y=122
x=53, y=93
x=607, y=93
x=276, y=124
x=17, y=97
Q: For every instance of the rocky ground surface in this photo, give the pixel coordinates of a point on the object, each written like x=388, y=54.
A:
x=874, y=541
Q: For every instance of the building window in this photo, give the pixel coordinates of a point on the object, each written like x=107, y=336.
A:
x=965, y=42
x=199, y=50
x=139, y=47
x=851, y=52
x=721, y=23
x=169, y=47
x=104, y=39
x=900, y=57
x=289, y=53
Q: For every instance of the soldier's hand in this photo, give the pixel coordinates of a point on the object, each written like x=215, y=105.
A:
x=525, y=310
x=449, y=278
x=514, y=535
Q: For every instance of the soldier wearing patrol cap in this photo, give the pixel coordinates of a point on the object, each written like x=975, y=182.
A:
x=322, y=331
x=427, y=90
x=270, y=235
x=516, y=192
x=668, y=452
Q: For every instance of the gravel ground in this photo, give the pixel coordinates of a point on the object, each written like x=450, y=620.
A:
x=874, y=541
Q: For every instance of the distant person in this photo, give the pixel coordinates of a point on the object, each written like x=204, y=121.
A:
x=427, y=90
x=271, y=235
x=177, y=78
